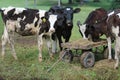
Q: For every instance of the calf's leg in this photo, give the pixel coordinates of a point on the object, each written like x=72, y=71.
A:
x=109, y=48
x=54, y=43
x=54, y=46
x=4, y=40
x=49, y=46
x=59, y=36
x=11, y=42
x=67, y=38
x=117, y=52
x=7, y=38
x=40, y=46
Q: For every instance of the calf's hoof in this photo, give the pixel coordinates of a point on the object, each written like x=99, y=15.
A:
x=52, y=57
x=116, y=67
x=15, y=58
x=110, y=60
x=40, y=59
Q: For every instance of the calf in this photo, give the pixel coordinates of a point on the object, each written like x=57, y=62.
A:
x=108, y=26
x=94, y=18
x=113, y=23
x=65, y=28
x=26, y=22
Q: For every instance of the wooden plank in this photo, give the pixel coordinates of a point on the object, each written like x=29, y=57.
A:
x=83, y=44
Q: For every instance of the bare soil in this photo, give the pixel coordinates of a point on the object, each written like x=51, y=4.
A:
x=26, y=40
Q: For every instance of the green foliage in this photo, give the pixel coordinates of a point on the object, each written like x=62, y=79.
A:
x=115, y=4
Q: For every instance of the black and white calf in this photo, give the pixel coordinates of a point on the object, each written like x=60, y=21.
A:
x=26, y=22
x=64, y=27
x=113, y=23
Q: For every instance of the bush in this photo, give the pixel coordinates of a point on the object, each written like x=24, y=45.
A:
x=115, y=4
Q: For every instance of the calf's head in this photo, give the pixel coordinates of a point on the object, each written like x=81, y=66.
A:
x=48, y=22
x=89, y=32
x=68, y=13
x=85, y=30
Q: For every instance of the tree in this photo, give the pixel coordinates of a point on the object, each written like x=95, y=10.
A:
x=96, y=0
x=59, y=2
x=117, y=0
x=70, y=1
x=115, y=4
x=80, y=1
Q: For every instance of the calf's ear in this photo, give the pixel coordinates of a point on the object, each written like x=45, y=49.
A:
x=47, y=15
x=51, y=10
x=76, y=10
x=79, y=23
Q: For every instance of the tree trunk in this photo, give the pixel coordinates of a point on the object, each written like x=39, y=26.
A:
x=59, y=2
x=96, y=0
x=81, y=2
x=70, y=1
x=117, y=0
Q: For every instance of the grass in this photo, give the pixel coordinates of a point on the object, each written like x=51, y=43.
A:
x=28, y=68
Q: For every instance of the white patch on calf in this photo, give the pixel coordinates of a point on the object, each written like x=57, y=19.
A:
x=83, y=29
x=41, y=13
x=52, y=20
x=7, y=9
x=118, y=15
x=24, y=18
x=19, y=10
x=67, y=9
x=111, y=13
x=35, y=19
x=109, y=48
x=10, y=24
x=115, y=30
x=18, y=19
x=31, y=26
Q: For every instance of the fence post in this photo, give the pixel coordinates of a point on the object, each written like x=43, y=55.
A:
x=26, y=3
x=59, y=2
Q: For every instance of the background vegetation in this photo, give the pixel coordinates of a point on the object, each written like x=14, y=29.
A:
x=28, y=68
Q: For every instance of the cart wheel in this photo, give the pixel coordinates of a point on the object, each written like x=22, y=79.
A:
x=105, y=53
x=87, y=59
x=67, y=56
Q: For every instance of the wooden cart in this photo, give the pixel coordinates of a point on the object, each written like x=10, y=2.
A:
x=85, y=49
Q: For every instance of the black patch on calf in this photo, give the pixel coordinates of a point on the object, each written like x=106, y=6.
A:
x=44, y=27
x=36, y=23
x=22, y=24
x=10, y=13
x=54, y=36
